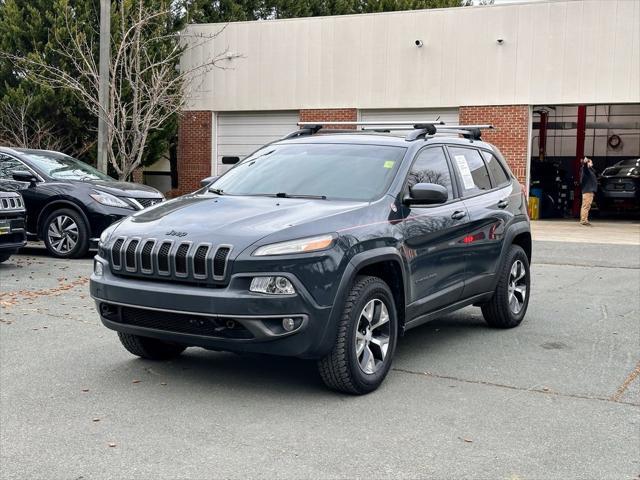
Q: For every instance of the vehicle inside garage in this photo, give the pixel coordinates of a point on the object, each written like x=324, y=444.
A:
x=564, y=134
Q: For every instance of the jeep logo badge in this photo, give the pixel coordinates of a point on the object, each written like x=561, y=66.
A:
x=173, y=233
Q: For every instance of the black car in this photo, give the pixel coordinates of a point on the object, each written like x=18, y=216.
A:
x=69, y=203
x=12, y=223
x=324, y=246
x=620, y=185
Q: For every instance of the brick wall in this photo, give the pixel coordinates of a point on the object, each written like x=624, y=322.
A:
x=330, y=115
x=137, y=175
x=194, y=150
x=511, y=134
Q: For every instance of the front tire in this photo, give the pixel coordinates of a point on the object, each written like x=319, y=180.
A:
x=66, y=234
x=509, y=303
x=150, y=348
x=366, y=339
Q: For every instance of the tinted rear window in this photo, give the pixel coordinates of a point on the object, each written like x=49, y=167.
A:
x=499, y=177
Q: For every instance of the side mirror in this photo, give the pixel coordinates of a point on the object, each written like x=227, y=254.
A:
x=230, y=160
x=426, y=194
x=24, y=176
x=208, y=181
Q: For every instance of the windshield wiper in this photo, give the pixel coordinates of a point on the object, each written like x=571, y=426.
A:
x=217, y=191
x=287, y=195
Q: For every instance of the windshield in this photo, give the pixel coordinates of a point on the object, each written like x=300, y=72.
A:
x=59, y=165
x=334, y=171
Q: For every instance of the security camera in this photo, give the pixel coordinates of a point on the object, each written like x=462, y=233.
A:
x=500, y=41
x=419, y=43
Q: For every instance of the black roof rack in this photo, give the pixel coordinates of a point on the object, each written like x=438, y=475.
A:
x=419, y=129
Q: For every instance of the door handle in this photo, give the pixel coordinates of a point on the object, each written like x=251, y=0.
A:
x=503, y=203
x=458, y=214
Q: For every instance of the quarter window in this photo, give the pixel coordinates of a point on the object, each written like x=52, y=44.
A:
x=8, y=165
x=431, y=167
x=472, y=170
x=499, y=177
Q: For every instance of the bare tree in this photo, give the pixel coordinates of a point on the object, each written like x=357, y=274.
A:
x=147, y=86
x=18, y=128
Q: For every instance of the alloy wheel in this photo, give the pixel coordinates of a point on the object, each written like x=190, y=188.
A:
x=372, y=336
x=517, y=287
x=63, y=234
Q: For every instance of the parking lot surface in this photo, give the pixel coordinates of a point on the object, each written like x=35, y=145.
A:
x=558, y=397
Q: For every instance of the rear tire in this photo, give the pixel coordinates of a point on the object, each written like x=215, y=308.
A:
x=509, y=303
x=150, y=348
x=365, y=341
x=66, y=234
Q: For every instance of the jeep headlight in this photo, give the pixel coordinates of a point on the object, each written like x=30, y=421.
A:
x=302, y=245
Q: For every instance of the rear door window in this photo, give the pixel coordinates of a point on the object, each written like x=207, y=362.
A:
x=499, y=177
x=473, y=173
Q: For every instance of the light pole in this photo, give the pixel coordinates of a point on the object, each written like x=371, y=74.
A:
x=105, y=41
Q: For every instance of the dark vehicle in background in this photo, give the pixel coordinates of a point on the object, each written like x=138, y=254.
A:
x=12, y=223
x=620, y=186
x=68, y=202
x=324, y=246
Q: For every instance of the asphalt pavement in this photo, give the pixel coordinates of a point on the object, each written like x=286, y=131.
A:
x=557, y=397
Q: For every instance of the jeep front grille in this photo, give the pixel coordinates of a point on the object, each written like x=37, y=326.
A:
x=170, y=260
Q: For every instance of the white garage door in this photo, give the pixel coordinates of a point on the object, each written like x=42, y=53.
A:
x=447, y=115
x=240, y=133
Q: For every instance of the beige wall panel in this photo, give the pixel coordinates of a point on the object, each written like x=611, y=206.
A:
x=559, y=52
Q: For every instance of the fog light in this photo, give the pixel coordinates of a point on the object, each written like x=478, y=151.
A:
x=272, y=285
x=98, y=268
x=288, y=324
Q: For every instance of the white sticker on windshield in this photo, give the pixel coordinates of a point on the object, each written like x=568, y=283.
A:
x=463, y=166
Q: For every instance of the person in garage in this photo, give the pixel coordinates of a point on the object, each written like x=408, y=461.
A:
x=589, y=186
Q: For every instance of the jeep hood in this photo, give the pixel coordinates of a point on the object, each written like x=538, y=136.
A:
x=236, y=220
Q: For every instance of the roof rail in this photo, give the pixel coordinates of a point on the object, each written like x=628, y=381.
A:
x=410, y=123
x=420, y=129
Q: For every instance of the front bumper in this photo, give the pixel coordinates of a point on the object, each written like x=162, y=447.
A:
x=228, y=318
x=12, y=232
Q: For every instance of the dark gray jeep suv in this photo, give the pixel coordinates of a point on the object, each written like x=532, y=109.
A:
x=324, y=245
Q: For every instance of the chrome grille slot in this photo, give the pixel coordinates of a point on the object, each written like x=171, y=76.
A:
x=116, y=258
x=200, y=261
x=220, y=261
x=163, y=258
x=130, y=255
x=146, y=264
x=5, y=204
x=180, y=259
